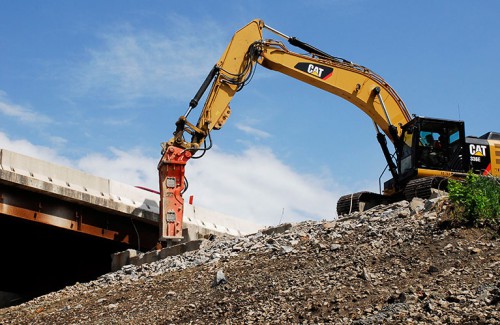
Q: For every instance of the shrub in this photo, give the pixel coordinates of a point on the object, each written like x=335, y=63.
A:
x=477, y=199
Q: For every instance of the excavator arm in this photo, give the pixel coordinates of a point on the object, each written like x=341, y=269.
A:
x=357, y=84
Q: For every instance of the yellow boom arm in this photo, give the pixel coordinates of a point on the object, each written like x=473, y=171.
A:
x=353, y=82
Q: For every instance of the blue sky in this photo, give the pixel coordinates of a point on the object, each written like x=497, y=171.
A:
x=98, y=85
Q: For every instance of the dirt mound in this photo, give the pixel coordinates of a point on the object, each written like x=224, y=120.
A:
x=391, y=264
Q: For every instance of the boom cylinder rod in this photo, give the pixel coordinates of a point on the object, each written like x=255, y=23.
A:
x=306, y=47
x=277, y=32
x=393, y=130
x=208, y=80
x=377, y=92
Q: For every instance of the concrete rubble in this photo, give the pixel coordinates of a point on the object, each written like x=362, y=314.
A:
x=401, y=263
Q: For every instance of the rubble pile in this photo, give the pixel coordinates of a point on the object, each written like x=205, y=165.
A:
x=397, y=263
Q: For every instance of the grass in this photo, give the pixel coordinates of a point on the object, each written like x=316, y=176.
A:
x=476, y=199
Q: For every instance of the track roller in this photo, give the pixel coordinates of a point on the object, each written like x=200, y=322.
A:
x=360, y=201
x=422, y=187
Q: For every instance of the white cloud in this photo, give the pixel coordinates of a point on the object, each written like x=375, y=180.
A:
x=143, y=64
x=29, y=149
x=131, y=167
x=58, y=141
x=257, y=186
x=19, y=112
x=260, y=134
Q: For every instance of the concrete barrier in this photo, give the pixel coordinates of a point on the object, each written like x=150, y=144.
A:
x=54, y=174
x=133, y=257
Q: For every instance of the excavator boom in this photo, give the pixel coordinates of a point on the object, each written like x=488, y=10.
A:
x=355, y=83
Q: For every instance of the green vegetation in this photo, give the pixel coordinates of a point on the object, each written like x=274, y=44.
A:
x=476, y=199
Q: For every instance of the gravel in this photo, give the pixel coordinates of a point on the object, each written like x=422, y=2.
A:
x=391, y=264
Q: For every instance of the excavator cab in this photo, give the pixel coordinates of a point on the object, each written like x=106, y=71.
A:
x=429, y=151
x=431, y=147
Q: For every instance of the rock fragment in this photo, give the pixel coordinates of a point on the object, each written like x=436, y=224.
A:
x=220, y=279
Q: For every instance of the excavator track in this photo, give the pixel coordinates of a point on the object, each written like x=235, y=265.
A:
x=422, y=187
x=360, y=201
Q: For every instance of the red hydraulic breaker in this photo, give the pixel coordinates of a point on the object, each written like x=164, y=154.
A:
x=171, y=168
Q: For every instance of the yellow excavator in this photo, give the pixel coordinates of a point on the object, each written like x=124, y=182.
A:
x=427, y=151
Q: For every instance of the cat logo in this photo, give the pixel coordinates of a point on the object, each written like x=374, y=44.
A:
x=477, y=150
x=317, y=70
